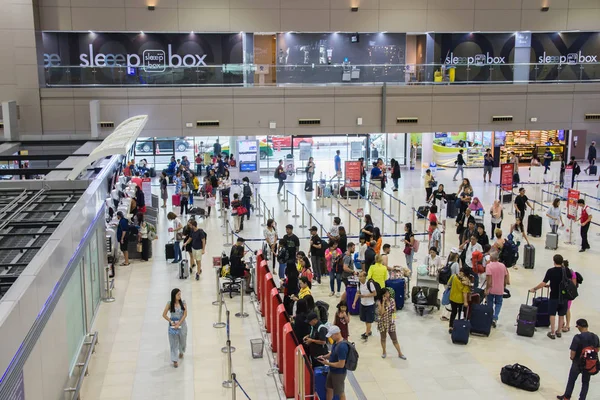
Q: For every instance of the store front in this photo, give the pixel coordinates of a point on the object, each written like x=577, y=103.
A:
x=527, y=144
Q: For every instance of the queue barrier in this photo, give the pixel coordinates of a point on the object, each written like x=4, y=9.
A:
x=274, y=302
x=282, y=319
x=290, y=342
x=268, y=285
x=303, y=370
x=262, y=270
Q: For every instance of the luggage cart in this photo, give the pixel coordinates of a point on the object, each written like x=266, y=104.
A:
x=426, y=283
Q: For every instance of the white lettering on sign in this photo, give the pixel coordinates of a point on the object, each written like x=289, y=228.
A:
x=152, y=60
x=571, y=58
x=477, y=59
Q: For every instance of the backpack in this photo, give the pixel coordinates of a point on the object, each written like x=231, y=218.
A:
x=276, y=173
x=568, y=289
x=445, y=273
x=352, y=357
x=509, y=254
x=247, y=191
x=577, y=169
x=579, y=278
x=376, y=285
x=477, y=262
x=588, y=360
x=323, y=310
x=282, y=255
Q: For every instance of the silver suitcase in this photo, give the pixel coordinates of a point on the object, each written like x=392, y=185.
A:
x=551, y=241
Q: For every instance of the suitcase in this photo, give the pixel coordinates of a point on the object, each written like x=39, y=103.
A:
x=474, y=300
x=593, y=169
x=350, y=296
x=422, y=212
x=542, y=318
x=176, y=200
x=320, y=374
x=398, y=286
x=461, y=329
x=169, y=251
x=152, y=173
x=184, y=270
x=529, y=256
x=481, y=319
x=534, y=225
x=327, y=191
x=351, y=194
x=526, y=319
x=551, y=241
x=451, y=210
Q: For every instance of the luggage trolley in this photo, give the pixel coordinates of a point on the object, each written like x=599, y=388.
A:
x=430, y=287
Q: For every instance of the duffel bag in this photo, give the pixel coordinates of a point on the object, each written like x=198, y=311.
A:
x=521, y=377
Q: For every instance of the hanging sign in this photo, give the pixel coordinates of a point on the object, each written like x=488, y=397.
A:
x=572, y=198
x=506, y=176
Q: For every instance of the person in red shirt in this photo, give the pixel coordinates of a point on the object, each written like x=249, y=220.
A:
x=432, y=217
x=137, y=179
x=584, y=219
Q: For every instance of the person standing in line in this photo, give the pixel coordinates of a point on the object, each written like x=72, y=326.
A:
x=556, y=304
x=521, y=203
x=428, y=184
x=584, y=219
x=460, y=164
x=366, y=293
x=175, y=313
x=336, y=361
x=184, y=192
x=271, y=237
x=583, y=341
x=198, y=241
x=554, y=215
x=337, y=161
x=292, y=241
x=370, y=255
x=280, y=175
x=497, y=278
x=348, y=267
x=378, y=272
x=472, y=247
x=488, y=165
x=178, y=236
x=123, y=236
x=386, y=325
x=496, y=215
x=246, y=196
x=143, y=237
x=395, y=174
x=238, y=220
x=316, y=253
x=409, y=241
x=514, y=160
x=591, y=156
x=436, y=235
x=163, y=189
x=334, y=258
x=460, y=287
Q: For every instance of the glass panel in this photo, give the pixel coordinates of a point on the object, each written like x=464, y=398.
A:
x=95, y=269
x=88, y=286
x=73, y=303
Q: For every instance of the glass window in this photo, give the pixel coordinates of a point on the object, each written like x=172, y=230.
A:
x=95, y=271
x=73, y=302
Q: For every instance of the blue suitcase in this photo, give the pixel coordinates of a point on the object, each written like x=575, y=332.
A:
x=398, y=286
x=481, y=319
x=461, y=329
x=320, y=381
x=543, y=317
x=350, y=296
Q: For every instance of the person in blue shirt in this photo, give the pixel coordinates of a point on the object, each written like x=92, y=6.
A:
x=123, y=236
x=336, y=361
x=185, y=162
x=548, y=157
x=338, y=163
x=172, y=167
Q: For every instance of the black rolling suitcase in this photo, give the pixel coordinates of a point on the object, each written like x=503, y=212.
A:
x=482, y=316
x=461, y=330
x=169, y=251
x=529, y=256
x=507, y=198
x=422, y=212
x=593, y=169
x=526, y=319
x=451, y=210
x=534, y=225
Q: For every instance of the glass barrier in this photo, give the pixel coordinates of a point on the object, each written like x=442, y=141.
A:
x=313, y=74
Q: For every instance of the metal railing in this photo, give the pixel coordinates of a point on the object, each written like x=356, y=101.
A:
x=73, y=391
x=324, y=74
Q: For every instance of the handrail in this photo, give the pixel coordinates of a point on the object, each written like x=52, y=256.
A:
x=83, y=367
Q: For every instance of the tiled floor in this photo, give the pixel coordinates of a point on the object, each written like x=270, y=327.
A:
x=132, y=359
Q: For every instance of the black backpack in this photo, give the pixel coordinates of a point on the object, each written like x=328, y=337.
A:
x=444, y=274
x=247, y=191
x=323, y=310
x=376, y=285
x=568, y=289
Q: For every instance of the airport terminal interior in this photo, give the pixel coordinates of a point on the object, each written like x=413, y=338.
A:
x=275, y=199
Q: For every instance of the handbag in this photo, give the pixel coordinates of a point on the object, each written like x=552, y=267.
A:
x=241, y=210
x=138, y=247
x=407, y=250
x=521, y=377
x=446, y=297
x=210, y=201
x=283, y=176
x=433, y=183
x=178, y=236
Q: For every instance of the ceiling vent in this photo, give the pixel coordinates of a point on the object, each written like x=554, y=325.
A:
x=106, y=124
x=412, y=120
x=592, y=117
x=502, y=118
x=310, y=121
x=201, y=124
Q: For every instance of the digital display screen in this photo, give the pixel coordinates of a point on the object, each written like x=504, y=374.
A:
x=247, y=146
x=248, y=166
x=249, y=157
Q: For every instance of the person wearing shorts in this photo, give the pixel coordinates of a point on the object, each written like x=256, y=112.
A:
x=123, y=236
x=197, y=240
x=348, y=267
x=336, y=361
x=366, y=293
x=556, y=304
x=488, y=165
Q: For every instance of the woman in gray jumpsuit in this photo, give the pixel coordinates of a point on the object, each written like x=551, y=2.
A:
x=176, y=313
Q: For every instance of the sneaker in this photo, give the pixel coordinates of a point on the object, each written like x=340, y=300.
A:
x=494, y=324
x=364, y=336
x=331, y=294
x=338, y=294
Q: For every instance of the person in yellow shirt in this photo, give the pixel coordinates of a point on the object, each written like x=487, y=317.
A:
x=304, y=289
x=460, y=287
x=378, y=272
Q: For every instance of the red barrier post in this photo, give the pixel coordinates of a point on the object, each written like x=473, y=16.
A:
x=269, y=285
x=282, y=319
x=301, y=361
x=261, y=272
x=289, y=348
x=275, y=302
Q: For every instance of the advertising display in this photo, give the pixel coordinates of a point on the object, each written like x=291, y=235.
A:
x=248, y=155
x=572, y=198
x=506, y=176
x=147, y=189
x=568, y=179
x=353, y=174
x=151, y=58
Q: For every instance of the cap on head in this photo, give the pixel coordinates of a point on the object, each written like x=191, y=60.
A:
x=332, y=330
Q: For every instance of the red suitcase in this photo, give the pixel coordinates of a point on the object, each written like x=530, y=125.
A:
x=176, y=200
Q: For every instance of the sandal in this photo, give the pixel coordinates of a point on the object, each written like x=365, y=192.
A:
x=558, y=334
x=567, y=329
x=551, y=335
x=124, y=265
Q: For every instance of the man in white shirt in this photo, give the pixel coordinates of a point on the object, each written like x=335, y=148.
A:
x=471, y=247
x=366, y=292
